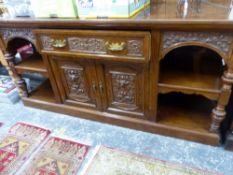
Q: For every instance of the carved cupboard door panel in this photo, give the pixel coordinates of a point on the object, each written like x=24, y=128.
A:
x=122, y=88
x=76, y=80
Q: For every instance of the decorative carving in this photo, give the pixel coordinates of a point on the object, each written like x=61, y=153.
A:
x=75, y=81
x=96, y=45
x=10, y=33
x=220, y=40
x=135, y=47
x=124, y=88
x=92, y=45
x=47, y=42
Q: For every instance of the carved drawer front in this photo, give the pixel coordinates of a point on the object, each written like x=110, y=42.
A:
x=109, y=45
x=75, y=81
x=124, y=89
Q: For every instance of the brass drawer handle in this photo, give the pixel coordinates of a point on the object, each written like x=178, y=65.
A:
x=59, y=43
x=115, y=47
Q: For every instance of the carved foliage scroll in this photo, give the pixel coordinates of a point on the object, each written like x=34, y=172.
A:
x=135, y=47
x=87, y=45
x=220, y=40
x=75, y=81
x=26, y=33
x=46, y=42
x=94, y=45
x=124, y=88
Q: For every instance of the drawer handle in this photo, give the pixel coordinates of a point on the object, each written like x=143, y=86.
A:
x=115, y=47
x=58, y=43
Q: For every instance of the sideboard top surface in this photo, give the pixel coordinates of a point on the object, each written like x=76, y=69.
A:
x=167, y=14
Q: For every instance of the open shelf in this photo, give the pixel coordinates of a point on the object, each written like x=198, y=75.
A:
x=192, y=70
x=189, y=82
x=33, y=64
x=190, y=112
x=43, y=93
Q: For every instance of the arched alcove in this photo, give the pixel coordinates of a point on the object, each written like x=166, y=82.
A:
x=195, y=59
x=189, y=87
x=15, y=43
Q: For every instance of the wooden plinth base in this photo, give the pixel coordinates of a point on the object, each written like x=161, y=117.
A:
x=206, y=138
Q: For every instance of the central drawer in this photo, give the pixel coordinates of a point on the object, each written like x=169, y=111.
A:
x=94, y=44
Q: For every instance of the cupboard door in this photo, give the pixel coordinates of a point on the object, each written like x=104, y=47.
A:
x=122, y=88
x=76, y=80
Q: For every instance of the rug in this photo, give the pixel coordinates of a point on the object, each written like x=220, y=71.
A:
x=16, y=147
x=108, y=161
x=58, y=157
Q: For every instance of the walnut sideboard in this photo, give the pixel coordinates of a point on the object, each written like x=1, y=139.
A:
x=162, y=72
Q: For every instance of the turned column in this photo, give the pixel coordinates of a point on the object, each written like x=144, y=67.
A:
x=219, y=113
x=17, y=79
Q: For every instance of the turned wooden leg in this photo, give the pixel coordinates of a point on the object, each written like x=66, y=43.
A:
x=219, y=113
x=17, y=79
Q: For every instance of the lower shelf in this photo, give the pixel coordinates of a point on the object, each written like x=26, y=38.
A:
x=207, y=85
x=185, y=111
x=43, y=93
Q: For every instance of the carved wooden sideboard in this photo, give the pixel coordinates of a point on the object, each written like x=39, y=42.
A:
x=157, y=72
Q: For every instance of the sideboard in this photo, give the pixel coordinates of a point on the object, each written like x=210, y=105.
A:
x=167, y=70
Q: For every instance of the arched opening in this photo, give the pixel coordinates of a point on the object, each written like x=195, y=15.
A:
x=22, y=48
x=15, y=43
x=194, y=59
x=189, y=87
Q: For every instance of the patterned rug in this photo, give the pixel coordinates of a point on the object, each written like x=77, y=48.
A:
x=58, y=157
x=20, y=142
x=108, y=161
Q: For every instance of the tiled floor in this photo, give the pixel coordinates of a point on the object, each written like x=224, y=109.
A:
x=165, y=148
